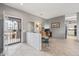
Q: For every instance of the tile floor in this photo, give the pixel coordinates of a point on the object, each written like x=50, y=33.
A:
x=63, y=47
x=57, y=47
x=23, y=49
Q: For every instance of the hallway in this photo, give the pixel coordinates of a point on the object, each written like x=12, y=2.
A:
x=28, y=26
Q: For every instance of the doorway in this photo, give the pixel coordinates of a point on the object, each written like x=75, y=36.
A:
x=12, y=31
x=71, y=27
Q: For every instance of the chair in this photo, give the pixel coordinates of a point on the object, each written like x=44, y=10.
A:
x=45, y=40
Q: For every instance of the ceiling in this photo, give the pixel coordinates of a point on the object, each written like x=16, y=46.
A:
x=47, y=10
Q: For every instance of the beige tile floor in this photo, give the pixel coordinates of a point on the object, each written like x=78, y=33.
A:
x=63, y=47
x=57, y=47
x=23, y=49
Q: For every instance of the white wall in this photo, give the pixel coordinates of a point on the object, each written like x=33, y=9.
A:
x=25, y=17
x=58, y=33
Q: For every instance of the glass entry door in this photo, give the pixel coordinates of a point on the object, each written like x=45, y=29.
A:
x=12, y=30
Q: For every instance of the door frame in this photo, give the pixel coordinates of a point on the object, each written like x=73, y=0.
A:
x=20, y=28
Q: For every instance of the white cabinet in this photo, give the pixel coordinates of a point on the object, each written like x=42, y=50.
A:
x=34, y=39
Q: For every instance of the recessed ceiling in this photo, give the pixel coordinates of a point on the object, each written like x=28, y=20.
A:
x=47, y=10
